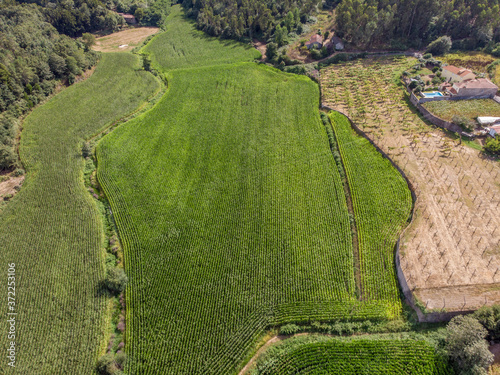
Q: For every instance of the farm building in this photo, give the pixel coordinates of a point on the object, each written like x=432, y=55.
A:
x=454, y=74
x=488, y=120
x=480, y=88
x=129, y=18
x=316, y=41
x=337, y=43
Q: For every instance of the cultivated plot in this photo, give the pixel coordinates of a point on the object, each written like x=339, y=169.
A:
x=52, y=229
x=450, y=254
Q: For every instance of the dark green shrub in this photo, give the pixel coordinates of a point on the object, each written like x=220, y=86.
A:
x=106, y=365
x=18, y=172
x=116, y=280
x=427, y=56
x=121, y=359
x=440, y=46
x=489, y=317
x=315, y=54
x=464, y=122
x=467, y=347
x=86, y=150
x=492, y=145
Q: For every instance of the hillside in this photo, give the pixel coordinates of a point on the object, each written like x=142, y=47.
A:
x=53, y=231
x=232, y=211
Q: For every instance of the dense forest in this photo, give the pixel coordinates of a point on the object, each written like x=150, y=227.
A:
x=41, y=43
x=247, y=18
x=414, y=23
x=33, y=56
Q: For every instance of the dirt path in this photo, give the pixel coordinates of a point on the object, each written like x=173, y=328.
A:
x=7, y=187
x=262, y=349
x=261, y=47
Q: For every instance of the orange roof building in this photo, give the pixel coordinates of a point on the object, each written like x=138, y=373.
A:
x=454, y=74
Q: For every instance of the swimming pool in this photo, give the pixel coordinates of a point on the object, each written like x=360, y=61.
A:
x=434, y=94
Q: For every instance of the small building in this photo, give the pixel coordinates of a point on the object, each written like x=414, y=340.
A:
x=316, y=41
x=337, y=43
x=474, y=88
x=488, y=120
x=454, y=74
x=129, y=18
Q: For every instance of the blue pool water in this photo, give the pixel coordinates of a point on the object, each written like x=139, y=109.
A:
x=434, y=94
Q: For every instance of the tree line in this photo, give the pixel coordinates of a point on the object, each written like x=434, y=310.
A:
x=415, y=23
x=249, y=18
x=33, y=57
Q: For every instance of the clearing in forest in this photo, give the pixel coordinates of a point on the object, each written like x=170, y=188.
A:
x=52, y=229
x=232, y=211
x=125, y=40
x=450, y=254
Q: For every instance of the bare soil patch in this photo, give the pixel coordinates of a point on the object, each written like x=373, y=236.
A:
x=7, y=187
x=451, y=254
x=125, y=40
x=261, y=47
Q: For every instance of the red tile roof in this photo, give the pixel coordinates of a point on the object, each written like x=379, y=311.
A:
x=462, y=72
x=479, y=83
x=316, y=39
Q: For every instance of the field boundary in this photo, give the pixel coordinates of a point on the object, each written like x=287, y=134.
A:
x=400, y=274
x=423, y=317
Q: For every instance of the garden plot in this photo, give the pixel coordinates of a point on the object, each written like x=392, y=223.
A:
x=454, y=239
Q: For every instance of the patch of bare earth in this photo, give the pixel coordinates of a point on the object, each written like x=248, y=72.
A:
x=261, y=47
x=124, y=40
x=7, y=187
x=450, y=255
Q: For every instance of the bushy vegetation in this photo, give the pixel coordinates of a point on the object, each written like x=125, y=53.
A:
x=466, y=346
x=492, y=145
x=464, y=111
x=33, y=56
x=416, y=23
x=53, y=230
x=440, y=46
x=382, y=355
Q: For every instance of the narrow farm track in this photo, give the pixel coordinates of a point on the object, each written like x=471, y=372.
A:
x=52, y=230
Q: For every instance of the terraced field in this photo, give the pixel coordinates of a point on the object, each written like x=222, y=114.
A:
x=324, y=355
x=52, y=229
